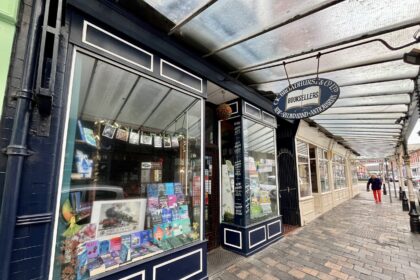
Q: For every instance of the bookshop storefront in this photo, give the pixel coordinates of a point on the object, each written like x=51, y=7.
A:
x=129, y=197
x=249, y=210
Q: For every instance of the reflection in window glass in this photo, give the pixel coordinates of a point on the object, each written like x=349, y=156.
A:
x=339, y=172
x=354, y=178
x=303, y=169
x=323, y=170
x=260, y=170
x=131, y=184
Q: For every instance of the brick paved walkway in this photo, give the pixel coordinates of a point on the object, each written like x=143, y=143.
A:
x=355, y=240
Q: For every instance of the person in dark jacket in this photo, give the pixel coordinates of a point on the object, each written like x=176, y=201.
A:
x=376, y=185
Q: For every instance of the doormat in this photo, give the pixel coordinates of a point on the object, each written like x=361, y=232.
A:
x=289, y=228
x=219, y=259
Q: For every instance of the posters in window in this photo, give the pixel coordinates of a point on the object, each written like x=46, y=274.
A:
x=157, y=141
x=145, y=139
x=167, y=143
x=118, y=216
x=134, y=138
x=122, y=134
x=109, y=131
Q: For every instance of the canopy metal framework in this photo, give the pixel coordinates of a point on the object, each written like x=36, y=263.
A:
x=361, y=45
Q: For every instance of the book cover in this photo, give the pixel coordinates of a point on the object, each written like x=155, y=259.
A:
x=156, y=216
x=89, y=136
x=135, y=239
x=134, y=138
x=168, y=230
x=158, y=233
x=92, y=248
x=82, y=258
x=163, y=201
x=180, y=198
x=174, y=142
x=166, y=215
x=146, y=139
x=157, y=141
x=126, y=240
x=114, y=217
x=182, y=212
x=172, y=201
x=115, y=244
x=124, y=253
x=103, y=247
x=146, y=236
x=161, y=189
x=181, y=227
x=169, y=188
x=152, y=203
x=109, y=131
x=152, y=190
x=122, y=134
x=167, y=143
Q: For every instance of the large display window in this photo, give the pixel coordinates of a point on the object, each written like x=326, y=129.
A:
x=304, y=175
x=131, y=177
x=248, y=171
x=323, y=170
x=260, y=170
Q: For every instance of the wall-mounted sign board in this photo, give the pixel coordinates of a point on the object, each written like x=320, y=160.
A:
x=306, y=98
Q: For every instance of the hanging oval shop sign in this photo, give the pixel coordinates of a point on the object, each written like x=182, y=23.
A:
x=306, y=98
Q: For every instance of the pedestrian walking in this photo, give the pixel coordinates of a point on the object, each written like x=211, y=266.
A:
x=376, y=185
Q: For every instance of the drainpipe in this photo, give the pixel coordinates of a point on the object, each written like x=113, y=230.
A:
x=414, y=216
x=17, y=150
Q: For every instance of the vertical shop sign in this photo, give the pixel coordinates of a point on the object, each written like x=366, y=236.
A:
x=238, y=172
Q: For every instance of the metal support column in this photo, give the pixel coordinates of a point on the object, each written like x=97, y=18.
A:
x=387, y=179
x=400, y=175
x=414, y=215
x=393, y=179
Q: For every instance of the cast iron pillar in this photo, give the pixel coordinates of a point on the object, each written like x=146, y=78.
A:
x=400, y=175
x=414, y=215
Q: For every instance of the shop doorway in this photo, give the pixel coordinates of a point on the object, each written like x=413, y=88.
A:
x=216, y=96
x=211, y=197
x=287, y=174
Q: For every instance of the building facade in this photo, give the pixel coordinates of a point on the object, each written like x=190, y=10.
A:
x=118, y=164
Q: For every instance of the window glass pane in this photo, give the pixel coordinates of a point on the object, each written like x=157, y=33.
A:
x=323, y=170
x=131, y=185
x=260, y=170
x=339, y=172
x=324, y=28
x=354, y=178
x=303, y=169
x=228, y=160
x=365, y=74
x=367, y=53
x=213, y=28
x=176, y=10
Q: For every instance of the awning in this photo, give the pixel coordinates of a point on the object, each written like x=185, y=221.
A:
x=360, y=45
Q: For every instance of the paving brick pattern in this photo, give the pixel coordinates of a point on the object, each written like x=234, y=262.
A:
x=356, y=240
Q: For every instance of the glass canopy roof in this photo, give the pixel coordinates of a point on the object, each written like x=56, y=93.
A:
x=253, y=38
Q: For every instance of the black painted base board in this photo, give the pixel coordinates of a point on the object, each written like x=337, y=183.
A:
x=249, y=240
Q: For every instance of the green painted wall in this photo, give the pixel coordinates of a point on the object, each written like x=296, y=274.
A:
x=8, y=19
